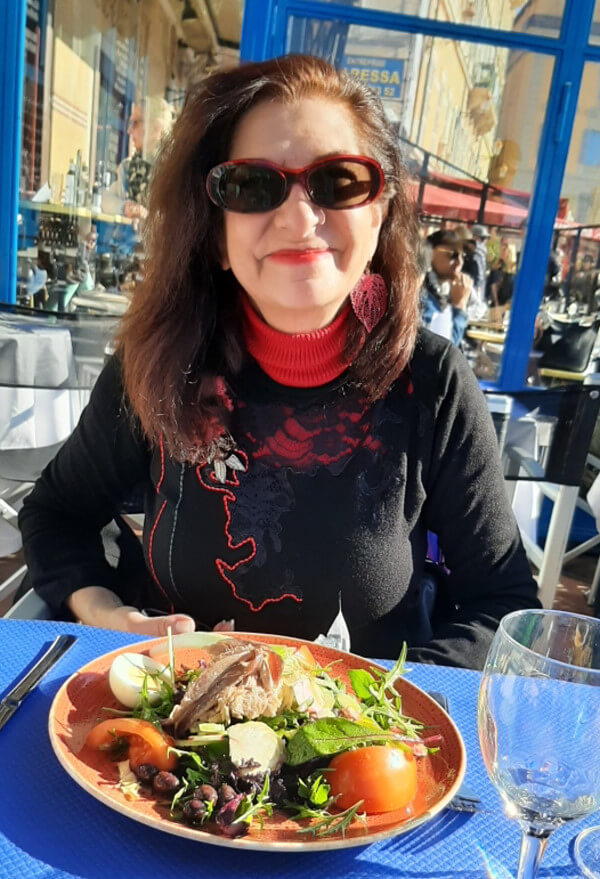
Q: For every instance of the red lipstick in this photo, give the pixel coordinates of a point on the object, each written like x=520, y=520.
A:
x=297, y=256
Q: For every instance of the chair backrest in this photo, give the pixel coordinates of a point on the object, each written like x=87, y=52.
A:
x=568, y=346
x=546, y=432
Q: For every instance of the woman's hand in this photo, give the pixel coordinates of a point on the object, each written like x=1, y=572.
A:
x=130, y=619
x=97, y=606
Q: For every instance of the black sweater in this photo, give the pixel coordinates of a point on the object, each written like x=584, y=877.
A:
x=335, y=498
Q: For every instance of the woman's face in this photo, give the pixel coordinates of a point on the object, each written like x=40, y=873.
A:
x=299, y=262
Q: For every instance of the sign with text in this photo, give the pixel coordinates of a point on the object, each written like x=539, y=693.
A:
x=383, y=75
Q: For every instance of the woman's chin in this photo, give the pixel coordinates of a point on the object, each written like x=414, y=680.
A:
x=304, y=316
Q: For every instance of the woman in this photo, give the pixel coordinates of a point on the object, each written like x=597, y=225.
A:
x=446, y=289
x=294, y=436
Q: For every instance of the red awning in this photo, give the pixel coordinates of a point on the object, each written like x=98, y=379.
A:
x=441, y=202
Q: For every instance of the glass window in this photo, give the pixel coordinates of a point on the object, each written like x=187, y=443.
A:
x=104, y=80
x=540, y=17
x=468, y=118
x=595, y=29
x=573, y=279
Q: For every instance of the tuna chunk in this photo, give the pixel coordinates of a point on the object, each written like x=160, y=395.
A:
x=236, y=684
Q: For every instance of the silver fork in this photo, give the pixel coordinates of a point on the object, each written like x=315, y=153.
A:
x=463, y=800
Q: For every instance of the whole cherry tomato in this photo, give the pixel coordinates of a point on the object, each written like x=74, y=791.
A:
x=385, y=778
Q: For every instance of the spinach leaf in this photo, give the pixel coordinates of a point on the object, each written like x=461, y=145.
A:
x=328, y=736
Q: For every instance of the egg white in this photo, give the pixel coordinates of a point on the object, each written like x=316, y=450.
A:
x=126, y=678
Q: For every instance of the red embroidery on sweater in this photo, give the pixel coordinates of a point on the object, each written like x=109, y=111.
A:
x=222, y=566
x=154, y=526
x=304, y=444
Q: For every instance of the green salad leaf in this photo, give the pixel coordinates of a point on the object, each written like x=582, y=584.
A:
x=328, y=736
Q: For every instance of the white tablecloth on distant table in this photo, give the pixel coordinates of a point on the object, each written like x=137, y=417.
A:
x=39, y=403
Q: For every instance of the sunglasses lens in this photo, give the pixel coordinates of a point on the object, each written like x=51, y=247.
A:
x=343, y=183
x=247, y=188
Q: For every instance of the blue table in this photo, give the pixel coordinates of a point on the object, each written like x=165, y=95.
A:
x=49, y=827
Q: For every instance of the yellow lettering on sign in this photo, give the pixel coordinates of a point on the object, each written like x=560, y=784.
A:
x=385, y=76
x=364, y=75
x=394, y=78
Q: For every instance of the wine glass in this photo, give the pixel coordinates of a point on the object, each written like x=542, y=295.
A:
x=587, y=852
x=538, y=718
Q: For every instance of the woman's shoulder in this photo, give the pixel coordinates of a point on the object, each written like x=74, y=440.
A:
x=432, y=355
x=109, y=383
x=438, y=368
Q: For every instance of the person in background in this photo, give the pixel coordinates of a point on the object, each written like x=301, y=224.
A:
x=478, y=270
x=499, y=286
x=508, y=255
x=446, y=288
x=585, y=283
x=492, y=248
x=128, y=194
x=293, y=431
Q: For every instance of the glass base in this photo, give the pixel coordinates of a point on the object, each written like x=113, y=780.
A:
x=587, y=852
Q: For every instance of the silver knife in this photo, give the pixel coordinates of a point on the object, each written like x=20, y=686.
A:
x=25, y=685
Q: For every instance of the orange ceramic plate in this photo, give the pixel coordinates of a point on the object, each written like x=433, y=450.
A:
x=77, y=707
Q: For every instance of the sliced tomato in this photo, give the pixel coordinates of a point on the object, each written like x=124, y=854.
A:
x=385, y=778
x=305, y=657
x=147, y=744
x=275, y=663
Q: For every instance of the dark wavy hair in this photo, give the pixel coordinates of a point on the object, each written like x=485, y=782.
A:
x=183, y=327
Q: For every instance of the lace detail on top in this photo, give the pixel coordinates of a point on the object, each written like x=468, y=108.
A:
x=304, y=440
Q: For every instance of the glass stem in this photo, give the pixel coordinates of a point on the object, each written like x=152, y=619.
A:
x=533, y=845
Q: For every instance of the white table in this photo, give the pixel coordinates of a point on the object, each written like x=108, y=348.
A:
x=40, y=405
x=39, y=401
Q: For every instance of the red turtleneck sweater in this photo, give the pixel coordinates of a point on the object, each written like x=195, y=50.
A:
x=299, y=360
x=333, y=502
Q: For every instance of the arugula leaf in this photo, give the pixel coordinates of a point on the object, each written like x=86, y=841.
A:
x=328, y=824
x=361, y=682
x=315, y=790
x=156, y=710
x=328, y=736
x=257, y=805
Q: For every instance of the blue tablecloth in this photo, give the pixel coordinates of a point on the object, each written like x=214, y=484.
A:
x=49, y=826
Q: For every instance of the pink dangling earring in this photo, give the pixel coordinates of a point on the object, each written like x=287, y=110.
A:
x=369, y=299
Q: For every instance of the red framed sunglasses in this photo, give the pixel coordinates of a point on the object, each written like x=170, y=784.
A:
x=254, y=186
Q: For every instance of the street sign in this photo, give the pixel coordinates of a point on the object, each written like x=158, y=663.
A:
x=383, y=75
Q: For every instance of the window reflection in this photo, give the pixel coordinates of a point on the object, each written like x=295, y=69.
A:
x=468, y=118
x=104, y=81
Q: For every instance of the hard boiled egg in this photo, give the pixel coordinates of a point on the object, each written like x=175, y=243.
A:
x=127, y=675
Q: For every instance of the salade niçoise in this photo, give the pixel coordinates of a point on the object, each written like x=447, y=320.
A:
x=242, y=728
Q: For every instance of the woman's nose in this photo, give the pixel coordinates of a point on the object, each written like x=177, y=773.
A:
x=298, y=212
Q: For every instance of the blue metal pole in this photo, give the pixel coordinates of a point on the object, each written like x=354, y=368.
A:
x=552, y=159
x=12, y=36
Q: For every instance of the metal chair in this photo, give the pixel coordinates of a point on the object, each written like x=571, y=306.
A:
x=544, y=439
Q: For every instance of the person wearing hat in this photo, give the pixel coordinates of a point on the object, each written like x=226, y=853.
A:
x=476, y=268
